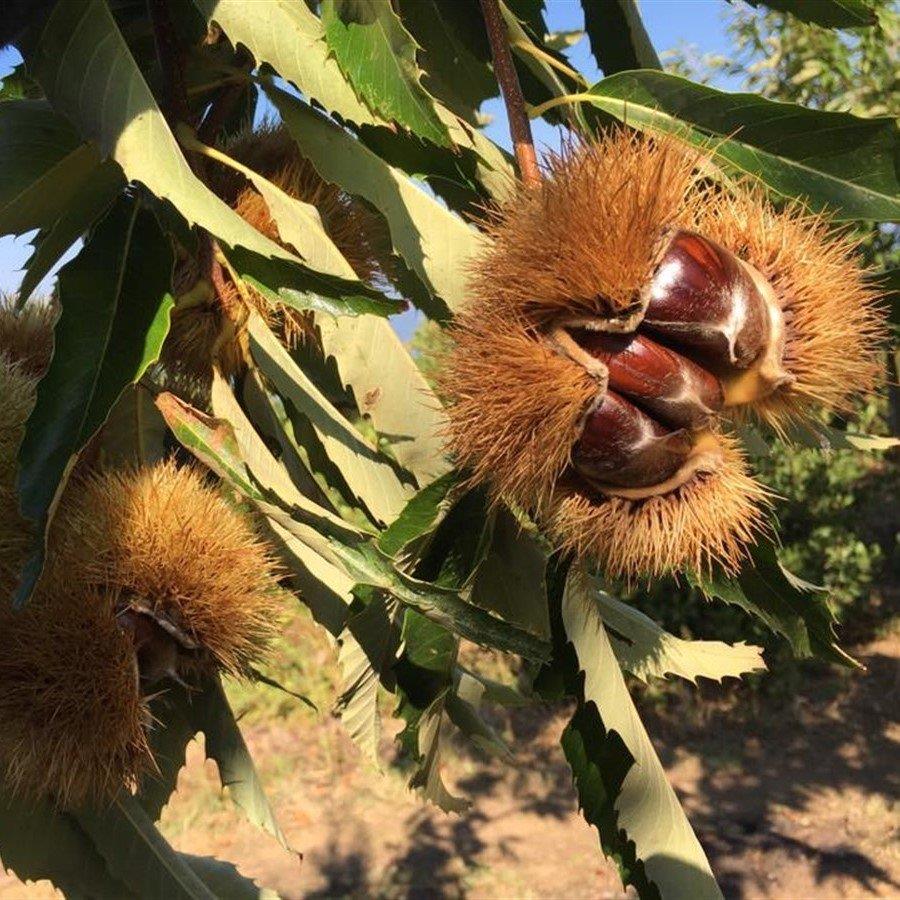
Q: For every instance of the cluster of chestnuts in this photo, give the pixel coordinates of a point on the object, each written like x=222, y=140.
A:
x=627, y=312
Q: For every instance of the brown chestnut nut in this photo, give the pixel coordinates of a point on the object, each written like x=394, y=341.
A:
x=676, y=390
x=703, y=299
x=621, y=445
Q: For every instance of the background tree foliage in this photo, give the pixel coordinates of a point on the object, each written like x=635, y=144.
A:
x=120, y=130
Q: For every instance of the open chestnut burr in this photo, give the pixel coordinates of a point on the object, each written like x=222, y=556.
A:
x=624, y=314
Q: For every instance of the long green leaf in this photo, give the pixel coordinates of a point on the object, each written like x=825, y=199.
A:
x=368, y=474
x=647, y=651
x=39, y=842
x=211, y=714
x=43, y=164
x=115, y=316
x=378, y=56
x=454, y=53
x=618, y=37
x=827, y=13
x=766, y=590
x=369, y=644
x=391, y=390
x=648, y=812
x=833, y=160
x=434, y=242
x=224, y=880
x=291, y=38
x=89, y=75
x=509, y=582
x=86, y=205
x=139, y=855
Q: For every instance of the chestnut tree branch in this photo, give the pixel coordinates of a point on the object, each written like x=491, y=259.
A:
x=519, y=125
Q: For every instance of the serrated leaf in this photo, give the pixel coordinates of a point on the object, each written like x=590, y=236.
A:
x=419, y=516
x=765, y=589
x=427, y=778
x=79, y=48
x=43, y=164
x=115, y=317
x=291, y=38
x=434, y=242
x=299, y=224
x=390, y=390
x=827, y=13
x=39, y=842
x=135, y=432
x=618, y=37
x=454, y=55
x=833, y=160
x=224, y=879
x=86, y=205
x=378, y=56
x=139, y=855
x=368, y=474
x=169, y=736
x=646, y=811
x=647, y=651
x=462, y=710
x=369, y=644
x=210, y=713
x=509, y=582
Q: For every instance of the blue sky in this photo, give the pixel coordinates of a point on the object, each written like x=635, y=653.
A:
x=669, y=23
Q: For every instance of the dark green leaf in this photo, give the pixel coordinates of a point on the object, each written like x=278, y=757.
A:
x=43, y=165
x=766, y=590
x=833, y=160
x=92, y=198
x=827, y=13
x=378, y=56
x=39, y=842
x=170, y=735
x=419, y=516
x=139, y=855
x=115, y=316
x=210, y=713
x=618, y=38
x=455, y=53
x=510, y=580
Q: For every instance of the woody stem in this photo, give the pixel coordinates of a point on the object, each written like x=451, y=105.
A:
x=519, y=125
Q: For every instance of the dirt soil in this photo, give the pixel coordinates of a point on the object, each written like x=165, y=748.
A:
x=797, y=802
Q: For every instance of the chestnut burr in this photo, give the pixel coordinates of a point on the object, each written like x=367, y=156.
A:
x=674, y=389
x=703, y=300
x=621, y=445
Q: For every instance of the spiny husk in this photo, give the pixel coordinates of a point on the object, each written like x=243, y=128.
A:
x=212, y=331
x=515, y=405
x=708, y=521
x=357, y=232
x=834, y=326
x=163, y=536
x=72, y=719
x=17, y=390
x=26, y=335
x=585, y=240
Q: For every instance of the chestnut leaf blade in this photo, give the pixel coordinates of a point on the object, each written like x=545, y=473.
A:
x=830, y=160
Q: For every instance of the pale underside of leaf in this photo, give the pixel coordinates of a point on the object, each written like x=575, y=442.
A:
x=647, y=651
x=434, y=242
x=390, y=389
x=367, y=473
x=648, y=810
